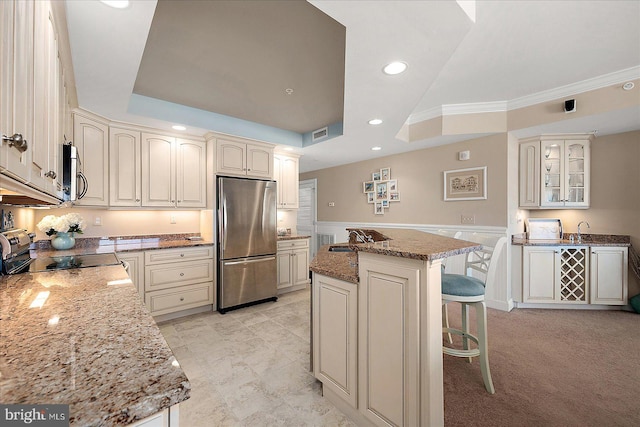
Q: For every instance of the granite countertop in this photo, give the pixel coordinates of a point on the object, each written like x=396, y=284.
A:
x=97, y=245
x=293, y=237
x=402, y=243
x=92, y=345
x=587, y=240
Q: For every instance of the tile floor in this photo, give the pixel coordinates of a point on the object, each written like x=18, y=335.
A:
x=250, y=367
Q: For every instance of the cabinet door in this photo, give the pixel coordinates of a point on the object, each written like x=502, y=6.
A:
x=191, y=174
x=41, y=108
x=289, y=182
x=300, y=266
x=231, y=157
x=284, y=269
x=277, y=176
x=335, y=336
x=552, y=173
x=609, y=275
x=577, y=172
x=540, y=273
x=136, y=269
x=125, y=165
x=91, y=137
x=158, y=170
x=17, y=85
x=259, y=161
x=530, y=174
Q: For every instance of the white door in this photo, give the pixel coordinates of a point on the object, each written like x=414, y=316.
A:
x=307, y=214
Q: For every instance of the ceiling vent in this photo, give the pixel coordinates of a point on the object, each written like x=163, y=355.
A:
x=319, y=134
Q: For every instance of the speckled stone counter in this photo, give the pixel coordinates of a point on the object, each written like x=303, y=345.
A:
x=92, y=345
x=587, y=240
x=120, y=244
x=402, y=243
x=293, y=237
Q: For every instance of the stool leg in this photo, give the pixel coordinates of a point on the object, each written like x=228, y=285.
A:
x=445, y=320
x=465, y=326
x=481, y=315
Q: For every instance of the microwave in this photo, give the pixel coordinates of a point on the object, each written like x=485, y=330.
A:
x=72, y=174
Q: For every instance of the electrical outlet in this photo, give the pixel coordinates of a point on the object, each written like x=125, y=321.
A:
x=467, y=219
x=172, y=219
x=97, y=221
x=332, y=204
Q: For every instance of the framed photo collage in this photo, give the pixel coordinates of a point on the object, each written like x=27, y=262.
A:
x=381, y=190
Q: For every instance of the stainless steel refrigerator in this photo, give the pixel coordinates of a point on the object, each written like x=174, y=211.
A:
x=247, y=242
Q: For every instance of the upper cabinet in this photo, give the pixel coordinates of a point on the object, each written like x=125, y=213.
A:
x=91, y=137
x=173, y=172
x=555, y=172
x=237, y=156
x=125, y=168
x=286, y=173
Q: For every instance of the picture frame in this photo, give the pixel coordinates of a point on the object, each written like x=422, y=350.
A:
x=394, y=196
x=393, y=186
x=378, y=209
x=382, y=192
x=385, y=203
x=465, y=184
x=368, y=187
x=385, y=174
x=375, y=176
x=371, y=197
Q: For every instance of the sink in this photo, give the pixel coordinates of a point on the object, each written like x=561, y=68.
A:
x=340, y=249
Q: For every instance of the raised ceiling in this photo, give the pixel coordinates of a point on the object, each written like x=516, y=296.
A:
x=277, y=63
x=513, y=50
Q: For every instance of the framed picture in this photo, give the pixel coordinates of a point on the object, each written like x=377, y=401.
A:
x=382, y=193
x=465, y=184
x=394, y=196
x=367, y=187
x=385, y=203
x=378, y=209
x=375, y=176
x=393, y=186
x=385, y=174
x=371, y=197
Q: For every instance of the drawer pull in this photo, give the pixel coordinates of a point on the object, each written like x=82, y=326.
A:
x=181, y=298
x=182, y=255
x=181, y=274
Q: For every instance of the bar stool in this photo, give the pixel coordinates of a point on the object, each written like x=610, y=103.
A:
x=470, y=291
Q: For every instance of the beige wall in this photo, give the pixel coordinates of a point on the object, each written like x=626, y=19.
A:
x=420, y=183
x=615, y=193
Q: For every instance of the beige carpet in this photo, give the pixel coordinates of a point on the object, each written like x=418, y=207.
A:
x=550, y=368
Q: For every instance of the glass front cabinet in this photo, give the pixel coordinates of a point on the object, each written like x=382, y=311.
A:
x=554, y=171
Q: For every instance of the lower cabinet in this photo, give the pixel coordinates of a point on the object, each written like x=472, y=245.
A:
x=293, y=264
x=169, y=417
x=575, y=274
x=135, y=260
x=178, y=279
x=335, y=336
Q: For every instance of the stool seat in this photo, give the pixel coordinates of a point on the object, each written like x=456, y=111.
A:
x=461, y=286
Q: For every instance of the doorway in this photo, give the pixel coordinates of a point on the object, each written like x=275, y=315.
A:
x=308, y=214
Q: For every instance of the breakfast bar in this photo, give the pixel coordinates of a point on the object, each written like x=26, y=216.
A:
x=377, y=325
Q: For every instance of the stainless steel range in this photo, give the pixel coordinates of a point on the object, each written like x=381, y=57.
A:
x=16, y=258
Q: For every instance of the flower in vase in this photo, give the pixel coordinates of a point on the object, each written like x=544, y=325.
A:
x=69, y=223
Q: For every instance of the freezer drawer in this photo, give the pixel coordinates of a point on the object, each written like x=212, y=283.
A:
x=246, y=280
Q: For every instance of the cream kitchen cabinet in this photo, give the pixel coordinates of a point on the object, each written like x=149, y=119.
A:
x=125, y=167
x=286, y=173
x=293, y=264
x=91, y=137
x=135, y=260
x=173, y=172
x=575, y=274
x=335, y=336
x=178, y=279
x=555, y=172
x=237, y=156
x=609, y=275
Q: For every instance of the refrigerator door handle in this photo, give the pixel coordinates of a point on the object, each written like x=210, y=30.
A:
x=221, y=228
x=249, y=261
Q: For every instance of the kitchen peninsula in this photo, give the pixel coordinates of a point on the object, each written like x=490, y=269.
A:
x=377, y=325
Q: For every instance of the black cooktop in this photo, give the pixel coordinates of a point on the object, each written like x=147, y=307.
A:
x=72, y=261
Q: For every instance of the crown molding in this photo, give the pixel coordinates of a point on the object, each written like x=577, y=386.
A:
x=595, y=83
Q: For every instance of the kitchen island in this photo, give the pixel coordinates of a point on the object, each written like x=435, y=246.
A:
x=377, y=325
x=83, y=337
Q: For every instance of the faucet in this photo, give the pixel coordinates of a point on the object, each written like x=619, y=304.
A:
x=360, y=236
x=579, y=235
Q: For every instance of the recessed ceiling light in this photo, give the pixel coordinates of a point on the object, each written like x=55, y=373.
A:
x=628, y=86
x=395, y=68
x=178, y=127
x=118, y=4
x=376, y=148
x=289, y=91
x=375, y=121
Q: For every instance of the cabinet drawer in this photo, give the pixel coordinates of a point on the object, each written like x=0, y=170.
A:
x=177, y=274
x=182, y=254
x=293, y=244
x=181, y=298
